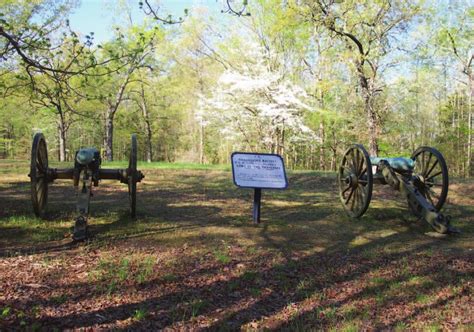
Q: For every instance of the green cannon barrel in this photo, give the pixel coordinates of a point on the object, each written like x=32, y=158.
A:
x=398, y=163
x=86, y=155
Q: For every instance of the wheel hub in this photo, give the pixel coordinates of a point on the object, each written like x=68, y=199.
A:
x=352, y=180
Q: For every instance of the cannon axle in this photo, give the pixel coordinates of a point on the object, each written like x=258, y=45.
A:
x=85, y=174
x=422, y=179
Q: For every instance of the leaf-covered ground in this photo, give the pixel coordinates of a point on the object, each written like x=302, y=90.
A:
x=193, y=260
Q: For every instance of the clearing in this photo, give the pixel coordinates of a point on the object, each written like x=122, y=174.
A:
x=193, y=259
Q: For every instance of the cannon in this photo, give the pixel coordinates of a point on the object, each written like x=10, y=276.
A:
x=86, y=173
x=422, y=179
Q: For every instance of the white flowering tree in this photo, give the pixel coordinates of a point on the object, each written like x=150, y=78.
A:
x=255, y=106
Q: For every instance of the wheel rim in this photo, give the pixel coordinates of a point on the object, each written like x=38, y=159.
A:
x=355, y=181
x=132, y=176
x=431, y=175
x=39, y=175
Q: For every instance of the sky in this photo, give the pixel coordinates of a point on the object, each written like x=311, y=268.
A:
x=98, y=15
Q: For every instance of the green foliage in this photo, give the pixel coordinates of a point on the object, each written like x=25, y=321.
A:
x=59, y=299
x=151, y=80
x=114, y=274
x=197, y=305
x=140, y=314
x=5, y=312
x=222, y=256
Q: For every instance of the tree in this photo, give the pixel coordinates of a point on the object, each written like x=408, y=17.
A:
x=56, y=89
x=455, y=38
x=134, y=50
x=367, y=29
x=255, y=104
x=33, y=31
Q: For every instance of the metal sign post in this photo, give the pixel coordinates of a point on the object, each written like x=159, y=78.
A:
x=257, y=202
x=258, y=171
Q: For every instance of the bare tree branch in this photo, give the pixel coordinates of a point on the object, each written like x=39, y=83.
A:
x=149, y=10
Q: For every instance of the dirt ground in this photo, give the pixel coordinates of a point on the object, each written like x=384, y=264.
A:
x=193, y=260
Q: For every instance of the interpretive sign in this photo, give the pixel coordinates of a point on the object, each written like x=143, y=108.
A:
x=258, y=170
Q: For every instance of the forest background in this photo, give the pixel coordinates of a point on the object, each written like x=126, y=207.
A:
x=301, y=78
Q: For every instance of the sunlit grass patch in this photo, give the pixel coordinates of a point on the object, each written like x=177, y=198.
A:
x=192, y=204
x=422, y=281
x=281, y=203
x=166, y=166
x=436, y=327
x=222, y=256
x=348, y=327
x=371, y=236
x=400, y=326
x=112, y=273
x=328, y=313
x=423, y=298
x=396, y=286
x=378, y=281
x=29, y=229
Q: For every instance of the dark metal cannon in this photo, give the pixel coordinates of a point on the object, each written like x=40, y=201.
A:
x=422, y=179
x=85, y=174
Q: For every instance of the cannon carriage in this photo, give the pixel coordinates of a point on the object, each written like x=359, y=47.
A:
x=422, y=179
x=86, y=173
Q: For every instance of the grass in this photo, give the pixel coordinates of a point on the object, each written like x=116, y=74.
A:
x=249, y=276
x=139, y=314
x=169, y=277
x=193, y=259
x=167, y=166
x=37, y=230
x=197, y=305
x=5, y=312
x=112, y=272
x=59, y=299
x=222, y=256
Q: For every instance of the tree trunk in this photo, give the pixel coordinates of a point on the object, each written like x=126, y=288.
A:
x=469, y=127
x=367, y=86
x=458, y=135
x=149, y=132
x=62, y=143
x=333, y=159
x=61, y=134
x=149, y=150
x=334, y=152
x=282, y=148
x=372, y=125
x=201, y=142
x=109, y=135
x=321, y=147
x=112, y=107
x=321, y=123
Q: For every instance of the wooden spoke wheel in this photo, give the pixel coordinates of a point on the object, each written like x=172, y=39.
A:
x=133, y=176
x=39, y=175
x=430, y=175
x=355, y=181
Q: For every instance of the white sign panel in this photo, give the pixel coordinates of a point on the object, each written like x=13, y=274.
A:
x=258, y=170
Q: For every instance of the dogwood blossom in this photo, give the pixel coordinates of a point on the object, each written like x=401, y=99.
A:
x=256, y=99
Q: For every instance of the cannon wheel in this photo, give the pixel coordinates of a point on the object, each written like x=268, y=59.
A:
x=133, y=177
x=431, y=174
x=355, y=181
x=39, y=175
